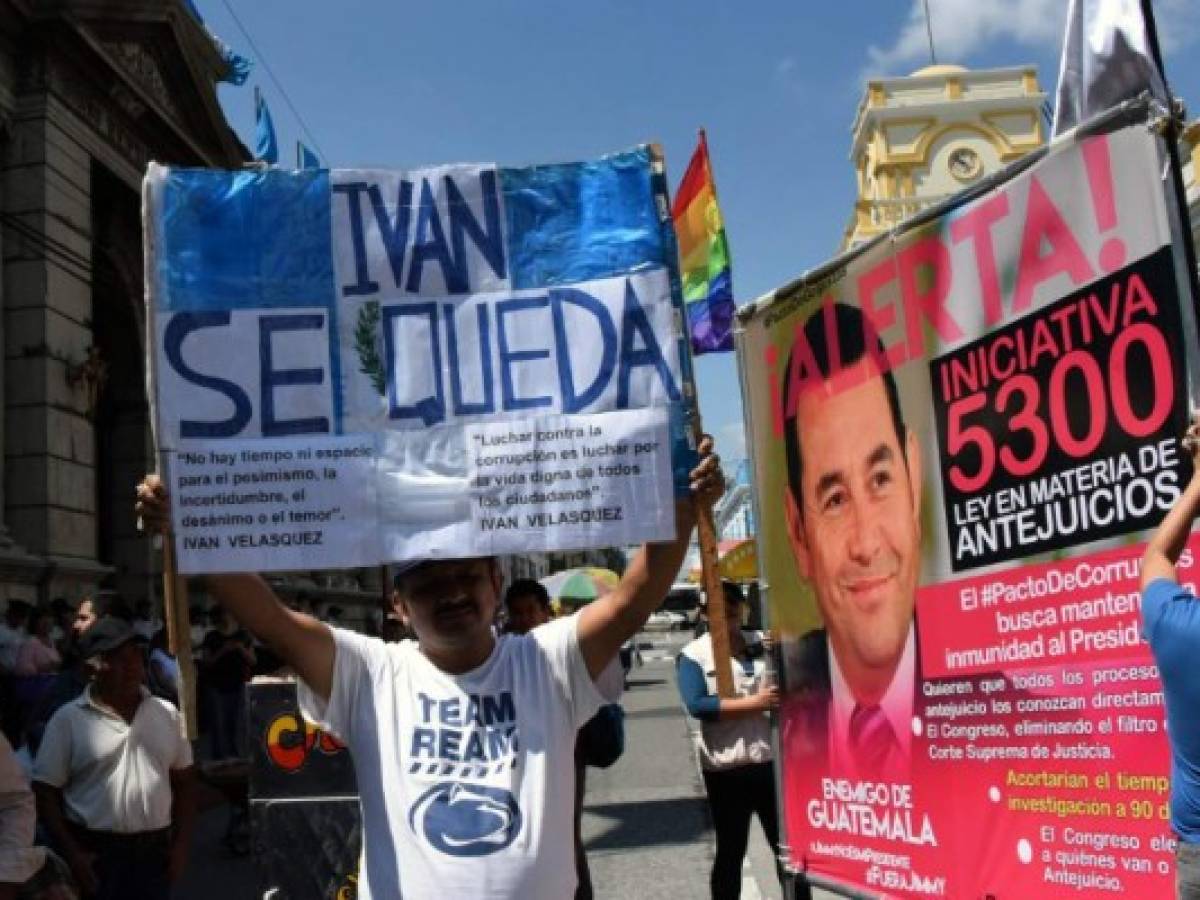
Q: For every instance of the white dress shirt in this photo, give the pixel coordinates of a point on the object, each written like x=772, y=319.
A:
x=114, y=775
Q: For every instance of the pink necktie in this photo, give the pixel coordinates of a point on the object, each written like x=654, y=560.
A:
x=871, y=739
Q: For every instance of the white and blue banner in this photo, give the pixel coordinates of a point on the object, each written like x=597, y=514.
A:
x=358, y=366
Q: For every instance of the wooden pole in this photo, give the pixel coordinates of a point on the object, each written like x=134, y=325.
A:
x=706, y=532
x=179, y=635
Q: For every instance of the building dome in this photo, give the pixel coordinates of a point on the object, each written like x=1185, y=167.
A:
x=939, y=70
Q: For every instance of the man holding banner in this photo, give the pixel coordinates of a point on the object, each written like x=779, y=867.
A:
x=854, y=475
x=463, y=743
x=446, y=364
x=1170, y=624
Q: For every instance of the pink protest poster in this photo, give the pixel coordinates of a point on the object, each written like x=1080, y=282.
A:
x=961, y=437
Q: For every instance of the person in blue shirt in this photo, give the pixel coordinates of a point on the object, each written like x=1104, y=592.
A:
x=1171, y=624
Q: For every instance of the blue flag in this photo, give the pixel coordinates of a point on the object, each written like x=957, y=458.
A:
x=308, y=159
x=266, y=147
x=237, y=67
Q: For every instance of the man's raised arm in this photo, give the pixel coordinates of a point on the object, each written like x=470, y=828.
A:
x=607, y=623
x=303, y=642
x=1162, y=553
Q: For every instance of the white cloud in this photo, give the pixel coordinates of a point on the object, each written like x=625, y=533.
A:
x=960, y=27
x=963, y=27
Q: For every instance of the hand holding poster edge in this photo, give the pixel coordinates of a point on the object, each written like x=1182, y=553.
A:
x=176, y=612
x=179, y=627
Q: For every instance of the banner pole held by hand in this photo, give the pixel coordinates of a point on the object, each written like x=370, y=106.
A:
x=175, y=600
x=706, y=532
x=706, y=529
x=179, y=635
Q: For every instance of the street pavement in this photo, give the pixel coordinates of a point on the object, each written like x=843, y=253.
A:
x=213, y=871
x=646, y=824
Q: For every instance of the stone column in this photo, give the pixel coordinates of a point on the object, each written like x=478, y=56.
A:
x=49, y=494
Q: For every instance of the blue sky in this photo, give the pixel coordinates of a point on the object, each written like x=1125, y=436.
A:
x=775, y=84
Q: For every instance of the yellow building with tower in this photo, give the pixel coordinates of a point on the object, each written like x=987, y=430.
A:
x=920, y=138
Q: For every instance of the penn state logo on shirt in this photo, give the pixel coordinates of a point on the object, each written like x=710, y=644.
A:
x=466, y=819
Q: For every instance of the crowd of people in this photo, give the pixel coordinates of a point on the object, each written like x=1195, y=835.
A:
x=89, y=724
x=89, y=704
x=110, y=771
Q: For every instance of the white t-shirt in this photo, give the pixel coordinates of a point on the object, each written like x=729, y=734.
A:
x=611, y=682
x=467, y=782
x=115, y=775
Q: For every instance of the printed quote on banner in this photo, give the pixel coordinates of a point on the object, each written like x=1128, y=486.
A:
x=961, y=438
x=354, y=367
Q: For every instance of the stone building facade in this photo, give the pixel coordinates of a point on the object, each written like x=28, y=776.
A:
x=90, y=92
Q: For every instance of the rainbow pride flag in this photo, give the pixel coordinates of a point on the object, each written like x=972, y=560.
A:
x=704, y=256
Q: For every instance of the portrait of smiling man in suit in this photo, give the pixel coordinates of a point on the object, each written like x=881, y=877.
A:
x=852, y=510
